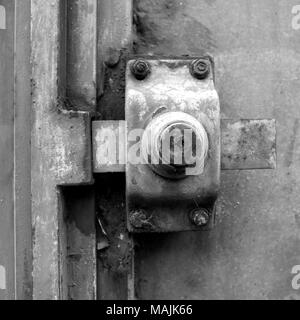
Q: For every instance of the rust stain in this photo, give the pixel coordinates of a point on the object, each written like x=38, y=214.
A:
x=248, y=144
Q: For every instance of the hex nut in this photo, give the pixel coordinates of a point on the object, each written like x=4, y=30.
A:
x=200, y=69
x=200, y=217
x=140, y=69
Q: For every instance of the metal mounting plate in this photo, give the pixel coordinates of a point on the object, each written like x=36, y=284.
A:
x=167, y=203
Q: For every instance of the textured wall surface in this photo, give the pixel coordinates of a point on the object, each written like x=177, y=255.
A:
x=256, y=241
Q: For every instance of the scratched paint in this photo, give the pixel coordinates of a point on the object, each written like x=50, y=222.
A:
x=61, y=155
x=2, y=278
x=2, y=18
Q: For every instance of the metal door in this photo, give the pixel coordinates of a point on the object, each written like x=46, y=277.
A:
x=81, y=248
x=15, y=104
x=254, y=247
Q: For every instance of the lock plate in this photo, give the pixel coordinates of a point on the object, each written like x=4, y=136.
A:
x=158, y=202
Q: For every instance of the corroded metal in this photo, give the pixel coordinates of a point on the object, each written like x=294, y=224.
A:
x=139, y=219
x=200, y=69
x=61, y=154
x=171, y=93
x=248, y=144
x=81, y=55
x=140, y=69
x=200, y=217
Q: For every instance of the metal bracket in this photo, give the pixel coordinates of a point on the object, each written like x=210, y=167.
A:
x=162, y=97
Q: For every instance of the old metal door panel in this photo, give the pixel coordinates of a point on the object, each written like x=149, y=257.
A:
x=64, y=231
x=22, y=118
x=6, y=153
x=115, y=280
x=255, y=244
x=15, y=202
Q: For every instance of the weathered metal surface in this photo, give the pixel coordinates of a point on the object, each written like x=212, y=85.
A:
x=22, y=176
x=248, y=144
x=255, y=244
x=60, y=150
x=114, y=43
x=115, y=35
x=15, y=105
x=115, y=261
x=81, y=54
x=81, y=242
x=81, y=95
x=7, y=257
x=170, y=89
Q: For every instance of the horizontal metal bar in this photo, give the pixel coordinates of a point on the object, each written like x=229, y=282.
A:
x=109, y=135
x=246, y=145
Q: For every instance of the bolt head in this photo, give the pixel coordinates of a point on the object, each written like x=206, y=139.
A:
x=140, y=69
x=200, y=69
x=199, y=217
x=138, y=218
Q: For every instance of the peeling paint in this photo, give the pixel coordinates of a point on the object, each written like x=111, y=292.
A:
x=61, y=153
x=248, y=144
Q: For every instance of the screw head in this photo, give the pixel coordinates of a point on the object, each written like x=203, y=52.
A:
x=199, y=217
x=200, y=69
x=140, y=69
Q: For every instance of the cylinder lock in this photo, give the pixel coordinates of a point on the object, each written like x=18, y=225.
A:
x=175, y=144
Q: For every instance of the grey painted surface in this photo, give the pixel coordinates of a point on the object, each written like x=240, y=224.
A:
x=22, y=96
x=15, y=102
x=256, y=241
x=6, y=154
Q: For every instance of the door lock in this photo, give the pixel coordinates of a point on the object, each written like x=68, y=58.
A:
x=173, y=144
x=175, y=106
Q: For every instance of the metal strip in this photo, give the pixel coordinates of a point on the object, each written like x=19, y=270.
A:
x=7, y=281
x=246, y=145
x=115, y=281
x=60, y=150
x=81, y=54
x=22, y=117
x=81, y=95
